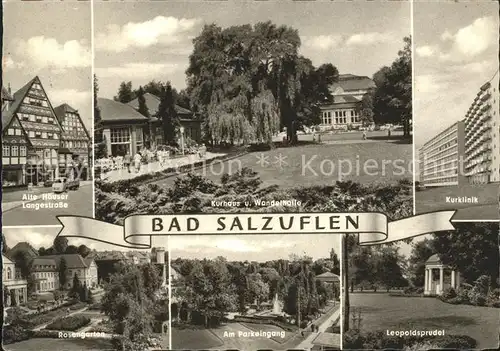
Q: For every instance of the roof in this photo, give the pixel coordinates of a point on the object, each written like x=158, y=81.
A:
x=23, y=246
x=7, y=260
x=351, y=82
x=328, y=275
x=434, y=259
x=72, y=260
x=44, y=261
x=153, y=102
x=116, y=111
x=17, y=99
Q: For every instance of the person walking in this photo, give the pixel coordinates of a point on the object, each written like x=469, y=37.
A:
x=127, y=160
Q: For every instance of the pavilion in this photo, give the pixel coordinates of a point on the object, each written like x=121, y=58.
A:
x=435, y=284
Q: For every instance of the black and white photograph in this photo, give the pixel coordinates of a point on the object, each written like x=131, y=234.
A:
x=46, y=112
x=457, y=123
x=254, y=292
x=252, y=107
x=436, y=291
x=74, y=294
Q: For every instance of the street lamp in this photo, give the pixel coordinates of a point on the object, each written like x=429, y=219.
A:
x=182, y=139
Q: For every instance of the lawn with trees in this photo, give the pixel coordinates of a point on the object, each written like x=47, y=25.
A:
x=468, y=314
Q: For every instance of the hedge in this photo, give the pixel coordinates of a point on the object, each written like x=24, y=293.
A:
x=71, y=323
x=14, y=333
x=353, y=339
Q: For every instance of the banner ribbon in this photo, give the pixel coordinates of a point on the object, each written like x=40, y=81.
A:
x=373, y=228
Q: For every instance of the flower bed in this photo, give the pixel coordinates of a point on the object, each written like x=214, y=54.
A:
x=71, y=323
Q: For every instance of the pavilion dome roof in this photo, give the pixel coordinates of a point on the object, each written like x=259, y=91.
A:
x=434, y=259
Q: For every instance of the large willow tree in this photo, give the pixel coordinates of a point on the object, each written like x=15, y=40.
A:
x=247, y=82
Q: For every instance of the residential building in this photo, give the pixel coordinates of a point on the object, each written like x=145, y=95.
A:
x=347, y=93
x=11, y=280
x=106, y=263
x=441, y=158
x=31, y=138
x=482, y=138
x=138, y=257
x=75, y=138
x=46, y=274
x=192, y=126
x=123, y=127
x=46, y=270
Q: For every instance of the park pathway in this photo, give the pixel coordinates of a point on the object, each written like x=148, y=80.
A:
x=40, y=327
x=307, y=344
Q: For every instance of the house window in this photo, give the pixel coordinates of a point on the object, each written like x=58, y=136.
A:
x=120, y=135
x=6, y=150
x=32, y=118
x=45, y=119
x=15, y=151
x=10, y=131
x=9, y=273
x=31, y=134
x=44, y=135
x=22, y=151
x=18, y=131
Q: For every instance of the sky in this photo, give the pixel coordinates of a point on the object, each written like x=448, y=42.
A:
x=234, y=247
x=259, y=248
x=456, y=52
x=139, y=42
x=53, y=41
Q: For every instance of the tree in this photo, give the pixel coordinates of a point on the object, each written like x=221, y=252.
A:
x=42, y=251
x=5, y=247
x=421, y=251
x=71, y=249
x=63, y=273
x=388, y=269
x=392, y=99
x=76, y=287
x=365, y=109
x=83, y=250
x=23, y=262
x=143, y=110
x=31, y=283
x=125, y=93
x=470, y=249
x=60, y=244
x=100, y=150
x=168, y=115
x=6, y=295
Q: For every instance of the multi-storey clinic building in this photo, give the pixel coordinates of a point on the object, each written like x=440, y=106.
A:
x=441, y=158
x=482, y=149
x=469, y=150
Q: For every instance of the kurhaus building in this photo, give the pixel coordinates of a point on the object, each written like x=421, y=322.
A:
x=192, y=126
x=468, y=152
x=32, y=138
x=347, y=95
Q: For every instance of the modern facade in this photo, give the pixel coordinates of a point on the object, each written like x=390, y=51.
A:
x=12, y=281
x=192, y=126
x=468, y=152
x=441, y=158
x=482, y=138
x=75, y=138
x=347, y=94
x=123, y=127
x=32, y=138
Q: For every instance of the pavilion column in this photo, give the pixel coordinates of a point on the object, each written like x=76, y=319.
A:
x=453, y=279
x=429, y=280
x=441, y=279
x=426, y=280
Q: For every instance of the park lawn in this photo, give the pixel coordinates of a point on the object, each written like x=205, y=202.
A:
x=368, y=163
x=434, y=199
x=244, y=343
x=47, y=344
x=381, y=312
x=195, y=339
x=270, y=328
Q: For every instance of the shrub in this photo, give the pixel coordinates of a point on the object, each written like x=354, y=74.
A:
x=420, y=290
x=43, y=333
x=476, y=297
x=449, y=293
x=455, y=301
x=422, y=346
x=495, y=304
x=14, y=333
x=71, y=323
x=482, y=284
x=463, y=293
x=78, y=306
